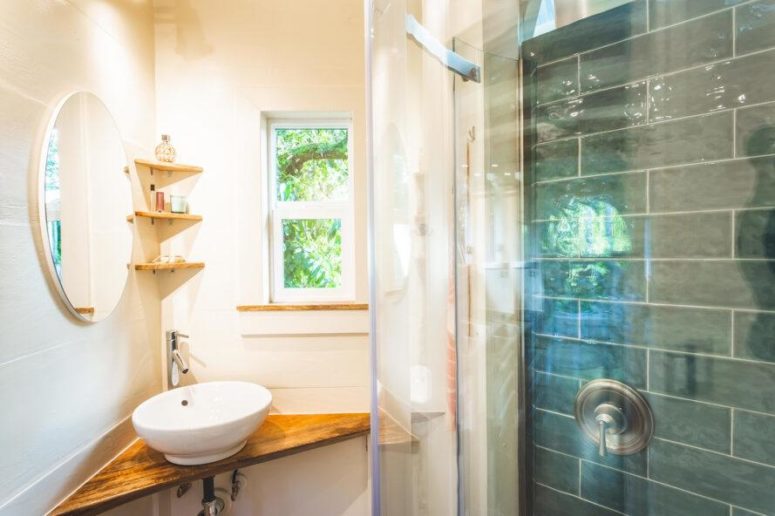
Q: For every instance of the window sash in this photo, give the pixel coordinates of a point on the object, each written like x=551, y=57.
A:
x=326, y=209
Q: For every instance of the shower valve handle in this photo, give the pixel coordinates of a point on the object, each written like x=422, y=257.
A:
x=610, y=419
x=602, y=448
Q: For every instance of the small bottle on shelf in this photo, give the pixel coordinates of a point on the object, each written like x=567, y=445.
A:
x=165, y=151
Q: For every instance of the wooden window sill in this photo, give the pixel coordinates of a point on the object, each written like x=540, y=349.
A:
x=321, y=307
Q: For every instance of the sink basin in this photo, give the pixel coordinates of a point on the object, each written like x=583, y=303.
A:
x=202, y=423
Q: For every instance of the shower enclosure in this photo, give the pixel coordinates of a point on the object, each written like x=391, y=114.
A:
x=573, y=234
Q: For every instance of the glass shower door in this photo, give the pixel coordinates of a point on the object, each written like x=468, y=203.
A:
x=650, y=240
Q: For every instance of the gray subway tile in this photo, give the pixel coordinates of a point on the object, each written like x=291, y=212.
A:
x=592, y=32
x=669, y=12
x=548, y=502
x=624, y=193
x=755, y=234
x=558, y=317
x=755, y=437
x=562, y=434
x=590, y=361
x=756, y=130
x=743, y=183
x=672, y=328
x=710, y=474
x=755, y=26
x=595, y=279
x=696, y=42
x=690, y=422
x=755, y=336
x=555, y=393
x=722, y=283
x=606, y=110
x=557, y=80
x=723, y=381
x=556, y=160
x=737, y=511
x=728, y=84
x=706, y=235
x=556, y=470
x=692, y=140
x=636, y=496
x=583, y=234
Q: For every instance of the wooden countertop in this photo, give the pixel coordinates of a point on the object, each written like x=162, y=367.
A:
x=139, y=471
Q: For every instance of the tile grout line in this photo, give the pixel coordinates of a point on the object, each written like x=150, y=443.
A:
x=697, y=259
x=580, y=468
x=732, y=432
x=580, y=498
x=648, y=215
x=714, y=452
x=656, y=123
x=734, y=32
x=734, y=133
x=648, y=16
x=732, y=331
x=578, y=159
x=657, y=349
x=663, y=168
x=651, y=77
x=647, y=33
x=648, y=370
x=662, y=305
x=626, y=473
x=656, y=30
x=578, y=318
x=658, y=482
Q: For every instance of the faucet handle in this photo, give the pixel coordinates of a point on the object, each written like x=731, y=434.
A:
x=177, y=333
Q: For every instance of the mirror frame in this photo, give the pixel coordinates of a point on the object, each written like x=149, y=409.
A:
x=40, y=195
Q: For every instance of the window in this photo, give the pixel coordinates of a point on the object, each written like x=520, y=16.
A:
x=311, y=211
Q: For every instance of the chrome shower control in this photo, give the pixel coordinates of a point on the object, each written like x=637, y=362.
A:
x=615, y=416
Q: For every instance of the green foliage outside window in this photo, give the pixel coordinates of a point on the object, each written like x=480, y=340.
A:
x=312, y=166
x=312, y=253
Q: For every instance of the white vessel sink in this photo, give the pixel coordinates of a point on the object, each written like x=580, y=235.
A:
x=202, y=423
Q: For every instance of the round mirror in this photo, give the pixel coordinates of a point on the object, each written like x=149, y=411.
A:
x=86, y=197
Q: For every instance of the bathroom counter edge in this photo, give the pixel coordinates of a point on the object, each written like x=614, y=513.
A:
x=140, y=471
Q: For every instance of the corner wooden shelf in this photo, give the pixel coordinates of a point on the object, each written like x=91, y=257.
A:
x=165, y=215
x=168, y=266
x=159, y=166
x=140, y=471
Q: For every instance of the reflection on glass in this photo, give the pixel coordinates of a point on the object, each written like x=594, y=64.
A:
x=588, y=227
x=312, y=253
x=52, y=200
x=312, y=164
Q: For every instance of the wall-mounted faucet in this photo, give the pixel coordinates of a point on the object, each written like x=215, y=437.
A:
x=175, y=363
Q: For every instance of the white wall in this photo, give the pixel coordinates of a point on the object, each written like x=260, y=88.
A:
x=220, y=70
x=66, y=388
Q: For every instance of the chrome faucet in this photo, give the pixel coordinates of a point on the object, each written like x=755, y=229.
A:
x=175, y=363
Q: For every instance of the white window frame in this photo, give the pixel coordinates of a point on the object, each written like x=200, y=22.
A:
x=284, y=210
